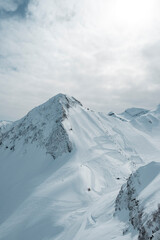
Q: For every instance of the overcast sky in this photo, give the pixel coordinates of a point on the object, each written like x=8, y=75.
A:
x=105, y=53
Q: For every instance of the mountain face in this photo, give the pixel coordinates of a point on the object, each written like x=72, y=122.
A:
x=138, y=200
x=67, y=172
x=42, y=126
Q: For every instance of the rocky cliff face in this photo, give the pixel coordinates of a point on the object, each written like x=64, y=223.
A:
x=42, y=126
x=139, y=204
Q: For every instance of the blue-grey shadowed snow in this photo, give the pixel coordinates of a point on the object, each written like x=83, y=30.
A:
x=42, y=229
x=19, y=12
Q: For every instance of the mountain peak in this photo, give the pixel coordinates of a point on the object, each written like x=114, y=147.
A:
x=43, y=126
x=64, y=99
x=134, y=112
x=53, y=110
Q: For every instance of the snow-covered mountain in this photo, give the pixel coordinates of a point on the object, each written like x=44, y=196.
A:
x=43, y=127
x=138, y=202
x=62, y=168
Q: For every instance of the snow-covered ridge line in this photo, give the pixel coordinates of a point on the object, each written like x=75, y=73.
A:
x=139, y=199
x=43, y=126
x=134, y=113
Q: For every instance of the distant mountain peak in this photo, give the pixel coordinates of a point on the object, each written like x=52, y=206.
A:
x=131, y=113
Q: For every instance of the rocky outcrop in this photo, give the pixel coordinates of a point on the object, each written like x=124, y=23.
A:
x=128, y=201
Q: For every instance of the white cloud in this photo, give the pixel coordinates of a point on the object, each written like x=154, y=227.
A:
x=79, y=48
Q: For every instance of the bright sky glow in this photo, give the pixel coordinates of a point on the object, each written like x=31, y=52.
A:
x=137, y=13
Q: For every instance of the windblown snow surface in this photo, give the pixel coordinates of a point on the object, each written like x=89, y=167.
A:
x=69, y=173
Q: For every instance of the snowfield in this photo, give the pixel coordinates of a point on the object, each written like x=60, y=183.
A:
x=69, y=173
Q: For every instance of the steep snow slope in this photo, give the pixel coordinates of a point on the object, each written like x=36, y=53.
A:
x=49, y=160
x=139, y=201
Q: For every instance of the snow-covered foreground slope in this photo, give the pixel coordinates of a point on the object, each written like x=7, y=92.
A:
x=55, y=154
